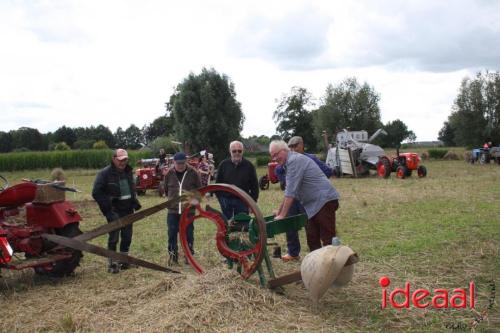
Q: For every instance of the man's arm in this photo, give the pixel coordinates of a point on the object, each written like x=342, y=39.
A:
x=100, y=196
x=254, y=183
x=285, y=207
x=322, y=165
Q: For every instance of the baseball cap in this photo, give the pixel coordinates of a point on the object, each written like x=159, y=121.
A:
x=295, y=140
x=180, y=157
x=121, y=154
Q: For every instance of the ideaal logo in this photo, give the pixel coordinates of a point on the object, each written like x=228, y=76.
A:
x=422, y=298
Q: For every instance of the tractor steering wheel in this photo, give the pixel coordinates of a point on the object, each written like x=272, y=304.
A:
x=3, y=183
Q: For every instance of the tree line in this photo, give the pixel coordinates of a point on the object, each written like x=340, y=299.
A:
x=475, y=116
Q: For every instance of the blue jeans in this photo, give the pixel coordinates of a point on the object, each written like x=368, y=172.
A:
x=232, y=206
x=292, y=236
x=173, y=229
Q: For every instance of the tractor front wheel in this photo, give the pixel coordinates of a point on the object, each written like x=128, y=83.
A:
x=384, y=168
x=401, y=172
x=264, y=183
x=422, y=171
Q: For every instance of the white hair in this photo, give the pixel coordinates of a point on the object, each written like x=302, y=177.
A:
x=236, y=142
x=279, y=144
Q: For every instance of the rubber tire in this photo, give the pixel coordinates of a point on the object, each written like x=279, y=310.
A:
x=65, y=267
x=384, y=162
x=401, y=172
x=264, y=183
x=484, y=158
x=422, y=171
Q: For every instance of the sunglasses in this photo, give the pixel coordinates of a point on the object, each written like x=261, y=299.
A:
x=239, y=151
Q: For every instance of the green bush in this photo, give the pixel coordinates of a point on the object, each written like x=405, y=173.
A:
x=66, y=159
x=61, y=146
x=437, y=153
x=262, y=160
x=83, y=144
x=101, y=144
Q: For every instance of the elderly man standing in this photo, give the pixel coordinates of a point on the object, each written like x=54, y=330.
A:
x=240, y=172
x=114, y=192
x=296, y=144
x=307, y=183
x=180, y=177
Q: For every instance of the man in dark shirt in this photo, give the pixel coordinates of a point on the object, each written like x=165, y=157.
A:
x=240, y=172
x=114, y=192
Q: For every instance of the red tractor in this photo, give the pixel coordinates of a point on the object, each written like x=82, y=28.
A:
x=150, y=175
x=27, y=211
x=270, y=177
x=403, y=164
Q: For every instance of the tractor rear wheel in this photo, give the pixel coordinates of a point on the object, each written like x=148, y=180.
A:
x=401, y=172
x=384, y=168
x=484, y=158
x=422, y=171
x=264, y=183
x=64, y=267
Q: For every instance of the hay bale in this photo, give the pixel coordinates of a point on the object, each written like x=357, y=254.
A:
x=450, y=156
x=424, y=155
x=467, y=156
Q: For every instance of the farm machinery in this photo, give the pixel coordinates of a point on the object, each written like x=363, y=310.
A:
x=149, y=175
x=52, y=242
x=269, y=177
x=485, y=155
x=354, y=154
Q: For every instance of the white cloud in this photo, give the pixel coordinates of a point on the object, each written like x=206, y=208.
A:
x=85, y=63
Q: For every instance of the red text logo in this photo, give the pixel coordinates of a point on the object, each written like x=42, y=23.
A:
x=422, y=298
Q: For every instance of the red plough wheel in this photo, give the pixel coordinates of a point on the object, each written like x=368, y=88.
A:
x=249, y=259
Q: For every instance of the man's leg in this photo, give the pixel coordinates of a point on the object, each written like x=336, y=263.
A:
x=292, y=236
x=173, y=231
x=326, y=221
x=126, y=240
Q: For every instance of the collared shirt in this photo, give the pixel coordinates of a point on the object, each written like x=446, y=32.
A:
x=307, y=183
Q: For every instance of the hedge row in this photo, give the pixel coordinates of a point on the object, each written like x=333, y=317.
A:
x=85, y=159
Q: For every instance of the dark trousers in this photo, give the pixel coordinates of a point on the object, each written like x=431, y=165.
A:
x=321, y=227
x=292, y=236
x=232, y=206
x=173, y=220
x=125, y=233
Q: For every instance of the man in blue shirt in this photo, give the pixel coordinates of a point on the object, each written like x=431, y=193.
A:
x=296, y=144
x=307, y=183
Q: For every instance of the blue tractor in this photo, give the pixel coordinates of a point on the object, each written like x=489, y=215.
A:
x=485, y=155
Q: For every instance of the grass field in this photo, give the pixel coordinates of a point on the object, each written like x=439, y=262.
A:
x=439, y=232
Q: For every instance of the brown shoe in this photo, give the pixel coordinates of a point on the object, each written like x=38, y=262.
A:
x=288, y=257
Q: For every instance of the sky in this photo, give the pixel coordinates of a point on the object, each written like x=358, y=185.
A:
x=116, y=63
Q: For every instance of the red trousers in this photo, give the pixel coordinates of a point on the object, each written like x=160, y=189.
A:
x=321, y=227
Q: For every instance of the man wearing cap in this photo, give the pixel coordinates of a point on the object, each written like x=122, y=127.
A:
x=240, y=172
x=307, y=183
x=114, y=192
x=181, y=177
x=296, y=144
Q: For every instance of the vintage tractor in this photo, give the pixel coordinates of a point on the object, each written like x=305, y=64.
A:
x=404, y=163
x=149, y=175
x=269, y=177
x=46, y=212
x=485, y=155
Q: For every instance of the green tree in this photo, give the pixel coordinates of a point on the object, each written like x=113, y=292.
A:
x=101, y=144
x=29, y=138
x=120, y=138
x=65, y=134
x=100, y=132
x=446, y=135
x=161, y=126
x=133, y=137
x=475, y=113
x=6, y=142
x=62, y=146
x=348, y=105
x=293, y=117
x=397, y=132
x=206, y=113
